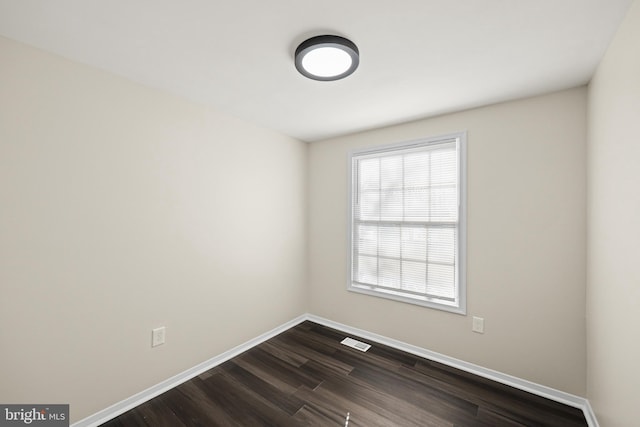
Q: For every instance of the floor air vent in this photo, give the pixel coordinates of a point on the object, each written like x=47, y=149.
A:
x=358, y=345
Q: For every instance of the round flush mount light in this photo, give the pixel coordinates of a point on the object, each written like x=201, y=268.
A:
x=327, y=58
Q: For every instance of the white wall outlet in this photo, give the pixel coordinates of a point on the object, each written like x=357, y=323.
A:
x=478, y=325
x=157, y=336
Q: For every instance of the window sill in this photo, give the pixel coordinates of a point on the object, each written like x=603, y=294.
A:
x=409, y=299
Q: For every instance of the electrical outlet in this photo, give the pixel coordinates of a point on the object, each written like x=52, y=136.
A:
x=478, y=325
x=157, y=336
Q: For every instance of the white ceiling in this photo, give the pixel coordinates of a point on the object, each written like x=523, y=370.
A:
x=419, y=58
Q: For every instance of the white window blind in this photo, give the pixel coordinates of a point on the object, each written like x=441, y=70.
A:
x=406, y=222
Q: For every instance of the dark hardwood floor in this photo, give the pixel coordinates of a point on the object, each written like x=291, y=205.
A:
x=305, y=377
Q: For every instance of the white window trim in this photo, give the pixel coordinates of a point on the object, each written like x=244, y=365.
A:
x=461, y=307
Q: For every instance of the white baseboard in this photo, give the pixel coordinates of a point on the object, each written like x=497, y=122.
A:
x=590, y=415
x=139, y=398
x=148, y=394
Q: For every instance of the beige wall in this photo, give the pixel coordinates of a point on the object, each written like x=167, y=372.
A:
x=526, y=241
x=122, y=209
x=613, y=291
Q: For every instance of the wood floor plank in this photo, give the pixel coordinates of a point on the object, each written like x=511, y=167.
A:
x=283, y=354
x=360, y=396
x=309, y=416
x=157, y=413
x=497, y=420
x=496, y=397
x=241, y=404
x=335, y=407
x=325, y=357
x=273, y=370
x=195, y=408
x=305, y=377
x=129, y=419
x=408, y=389
x=283, y=401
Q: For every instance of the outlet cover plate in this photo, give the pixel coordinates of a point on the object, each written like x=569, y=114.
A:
x=478, y=325
x=157, y=336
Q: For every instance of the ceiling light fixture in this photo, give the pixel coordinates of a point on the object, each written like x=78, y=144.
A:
x=327, y=58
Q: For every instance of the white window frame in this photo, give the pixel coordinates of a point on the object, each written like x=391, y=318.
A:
x=459, y=304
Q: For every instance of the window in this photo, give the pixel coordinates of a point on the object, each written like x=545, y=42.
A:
x=407, y=216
